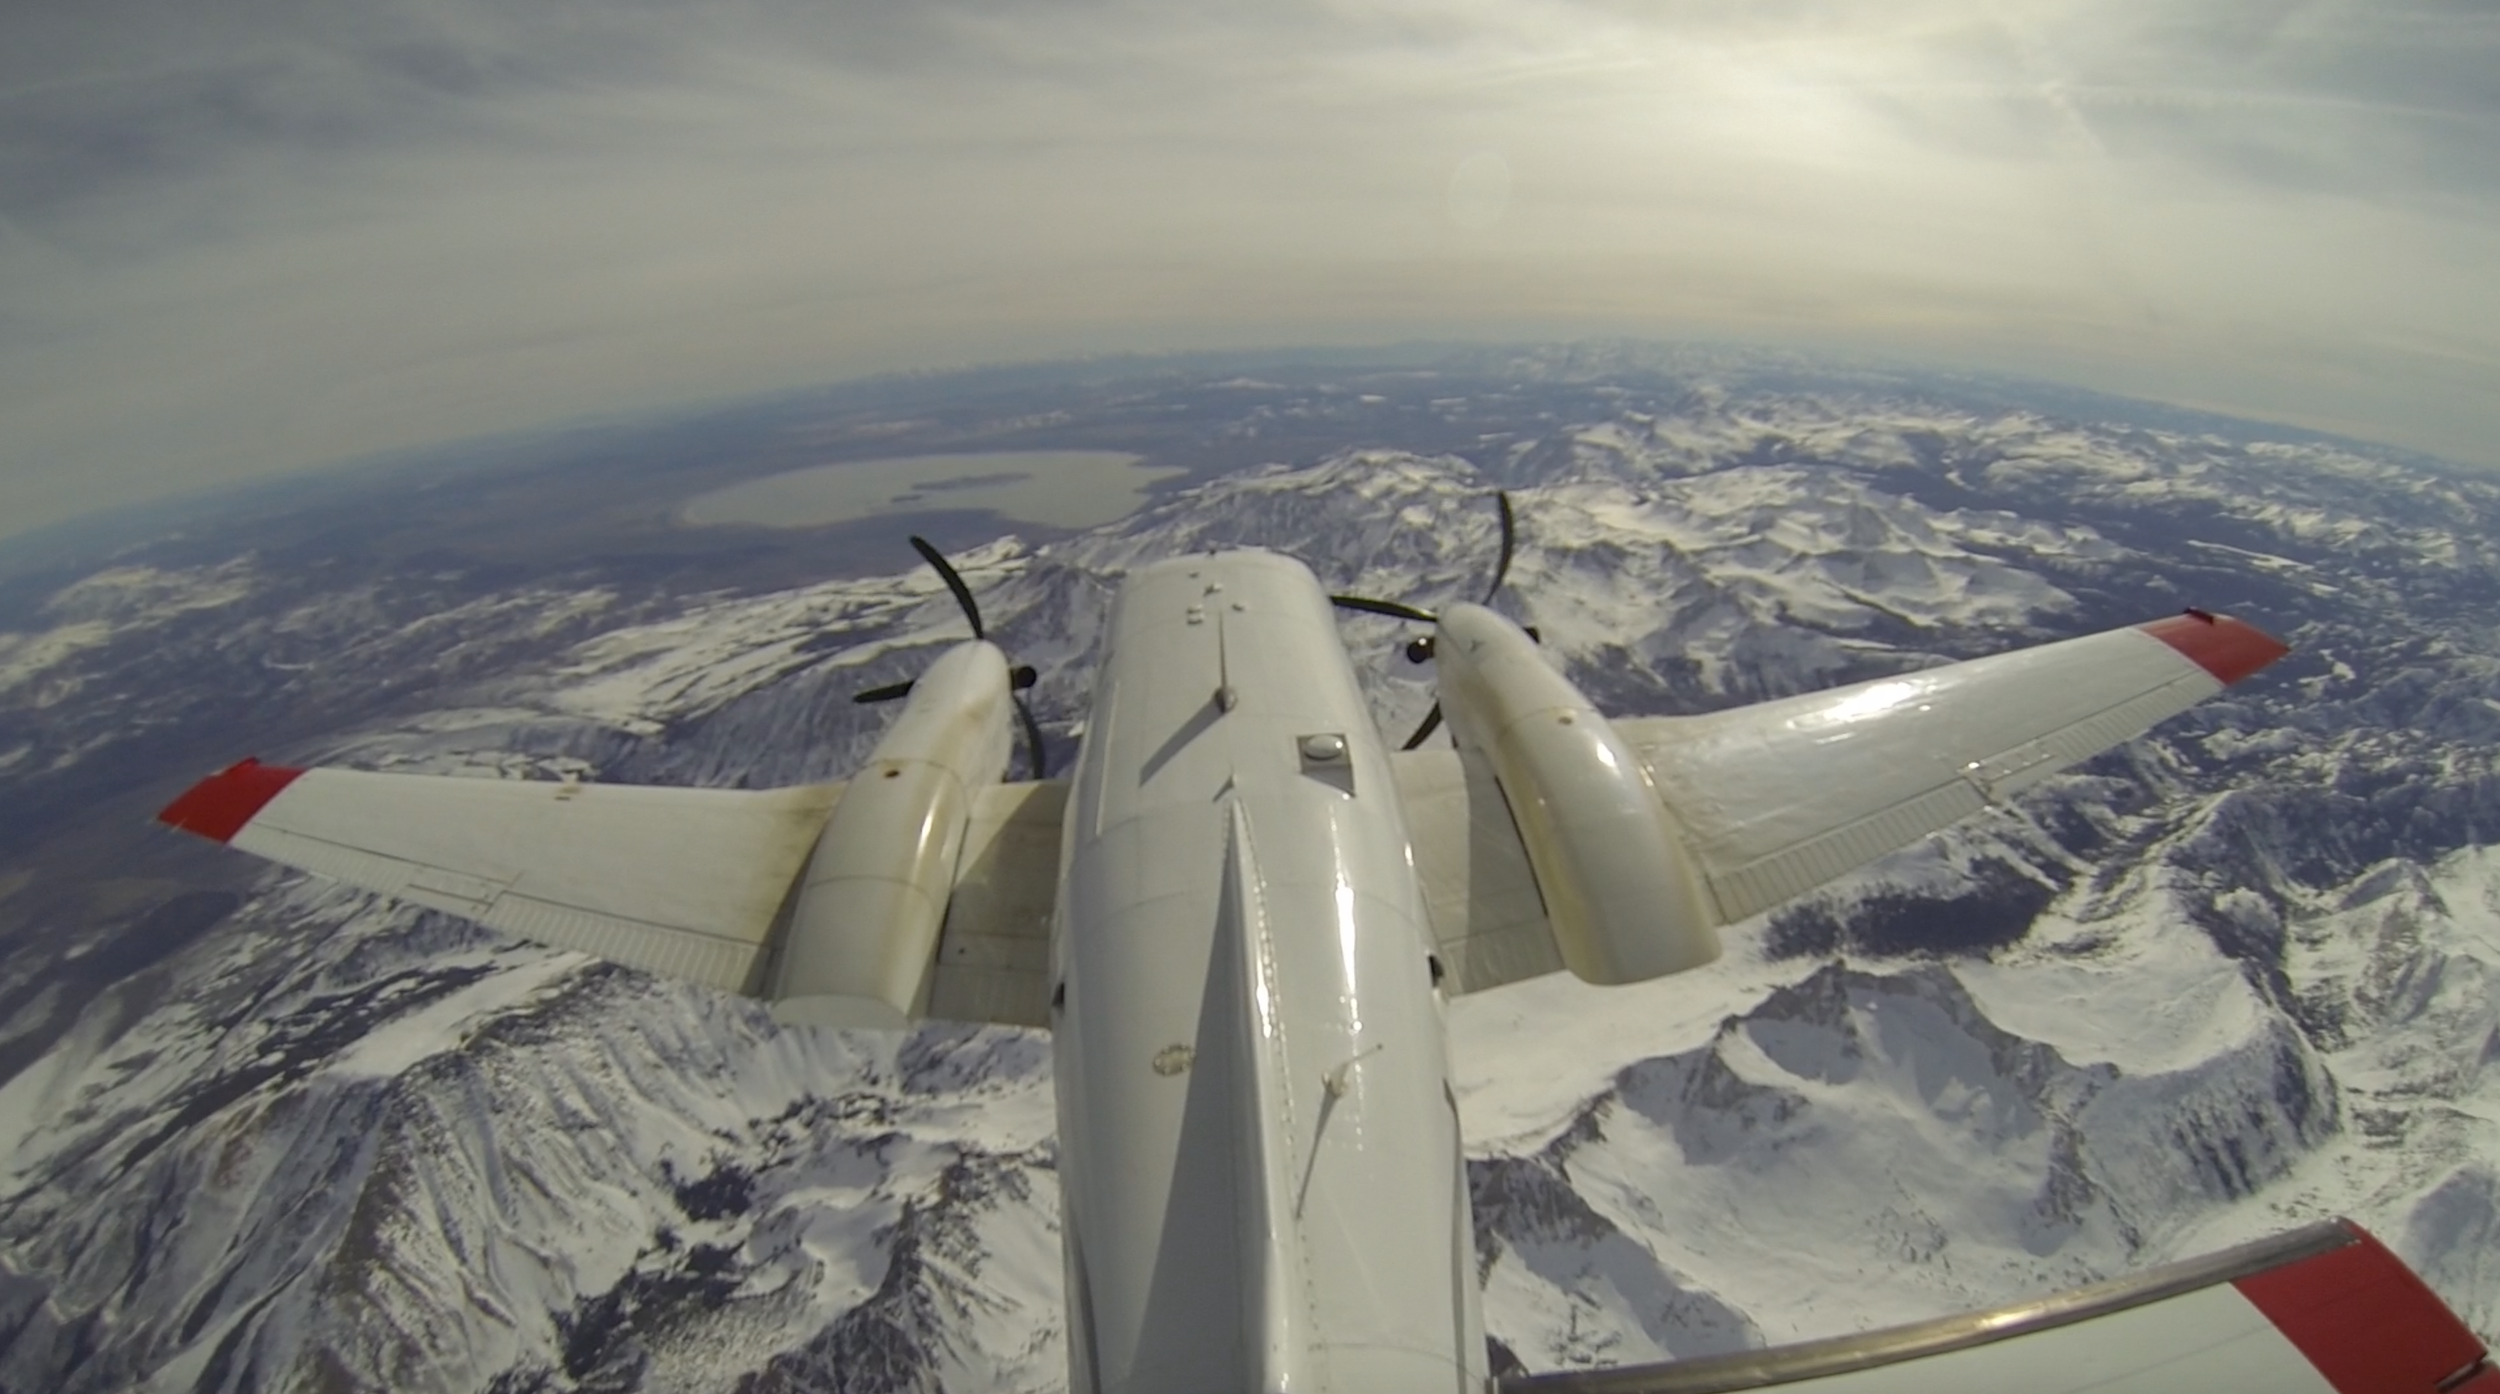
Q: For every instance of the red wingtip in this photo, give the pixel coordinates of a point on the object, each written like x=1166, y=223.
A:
x=2219, y=644
x=217, y=807
x=2365, y=1321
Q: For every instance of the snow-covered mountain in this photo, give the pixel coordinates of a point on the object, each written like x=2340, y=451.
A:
x=264, y=1133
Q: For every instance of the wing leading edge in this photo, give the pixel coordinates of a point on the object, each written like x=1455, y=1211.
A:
x=2325, y=1309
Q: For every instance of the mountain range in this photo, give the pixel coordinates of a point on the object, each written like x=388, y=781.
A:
x=261, y=1132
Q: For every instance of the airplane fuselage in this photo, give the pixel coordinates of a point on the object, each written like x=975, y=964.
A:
x=1261, y=1179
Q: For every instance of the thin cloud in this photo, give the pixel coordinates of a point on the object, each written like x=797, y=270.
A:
x=300, y=233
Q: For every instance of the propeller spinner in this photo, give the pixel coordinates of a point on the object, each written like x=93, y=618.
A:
x=1019, y=677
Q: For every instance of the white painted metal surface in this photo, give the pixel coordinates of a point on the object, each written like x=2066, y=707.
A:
x=1487, y=915
x=993, y=960
x=861, y=946
x=1778, y=798
x=1622, y=894
x=1259, y=1153
x=685, y=882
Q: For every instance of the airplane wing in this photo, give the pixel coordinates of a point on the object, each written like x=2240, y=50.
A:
x=1778, y=798
x=993, y=956
x=1488, y=917
x=2320, y=1310
x=687, y=883
x=1775, y=799
x=682, y=882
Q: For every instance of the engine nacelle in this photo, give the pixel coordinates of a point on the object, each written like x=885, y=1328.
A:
x=862, y=939
x=1624, y=898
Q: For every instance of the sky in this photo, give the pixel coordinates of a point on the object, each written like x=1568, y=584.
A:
x=262, y=235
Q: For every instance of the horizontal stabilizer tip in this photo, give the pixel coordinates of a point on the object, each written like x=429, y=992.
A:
x=2365, y=1320
x=2219, y=644
x=217, y=807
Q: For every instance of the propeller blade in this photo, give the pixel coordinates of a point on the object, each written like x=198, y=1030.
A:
x=1391, y=608
x=954, y=582
x=1510, y=538
x=886, y=693
x=1432, y=723
x=1032, y=740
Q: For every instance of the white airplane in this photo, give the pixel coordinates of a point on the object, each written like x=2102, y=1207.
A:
x=1241, y=919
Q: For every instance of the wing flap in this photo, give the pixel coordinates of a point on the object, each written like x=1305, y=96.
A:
x=993, y=958
x=683, y=882
x=1488, y=918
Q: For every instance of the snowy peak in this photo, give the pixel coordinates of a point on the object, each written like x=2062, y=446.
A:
x=1858, y=1120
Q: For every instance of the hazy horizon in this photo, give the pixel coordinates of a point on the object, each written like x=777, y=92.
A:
x=287, y=236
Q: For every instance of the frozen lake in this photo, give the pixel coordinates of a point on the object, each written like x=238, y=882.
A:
x=1052, y=488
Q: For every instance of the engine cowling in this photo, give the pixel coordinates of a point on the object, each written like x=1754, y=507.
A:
x=1622, y=893
x=861, y=942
